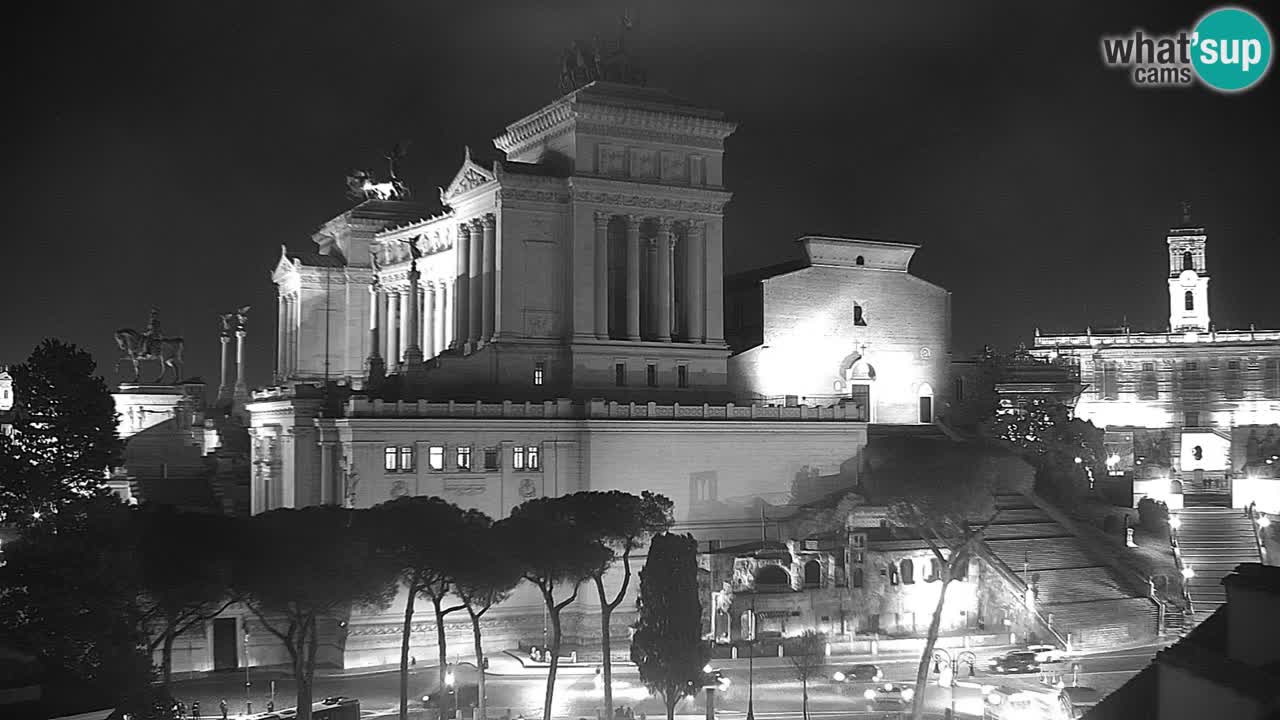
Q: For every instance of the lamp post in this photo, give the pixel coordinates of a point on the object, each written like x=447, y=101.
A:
x=248, y=704
x=449, y=680
x=751, y=664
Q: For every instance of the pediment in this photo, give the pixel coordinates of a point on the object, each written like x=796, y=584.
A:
x=469, y=177
x=284, y=266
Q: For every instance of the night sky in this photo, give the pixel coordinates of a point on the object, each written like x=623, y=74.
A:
x=160, y=152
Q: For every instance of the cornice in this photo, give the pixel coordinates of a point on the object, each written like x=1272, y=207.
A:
x=613, y=193
x=534, y=125
x=517, y=194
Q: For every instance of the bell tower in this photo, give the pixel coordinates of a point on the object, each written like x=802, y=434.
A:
x=1188, y=277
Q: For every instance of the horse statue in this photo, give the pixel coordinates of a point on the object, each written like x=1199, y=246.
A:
x=137, y=347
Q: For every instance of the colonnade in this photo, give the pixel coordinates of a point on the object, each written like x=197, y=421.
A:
x=649, y=312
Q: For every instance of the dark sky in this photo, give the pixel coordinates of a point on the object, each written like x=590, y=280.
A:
x=160, y=152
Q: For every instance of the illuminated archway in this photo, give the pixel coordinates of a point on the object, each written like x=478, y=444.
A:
x=925, y=402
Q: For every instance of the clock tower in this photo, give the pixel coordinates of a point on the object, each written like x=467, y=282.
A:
x=1188, y=278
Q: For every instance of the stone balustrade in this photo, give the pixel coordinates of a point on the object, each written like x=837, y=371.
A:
x=598, y=409
x=1176, y=338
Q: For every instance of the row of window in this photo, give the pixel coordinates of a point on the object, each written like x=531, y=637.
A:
x=904, y=572
x=403, y=458
x=1192, y=378
x=650, y=375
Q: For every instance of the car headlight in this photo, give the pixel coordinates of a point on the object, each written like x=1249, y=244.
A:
x=838, y=677
x=878, y=677
x=908, y=693
x=869, y=694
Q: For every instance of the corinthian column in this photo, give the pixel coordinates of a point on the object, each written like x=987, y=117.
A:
x=694, y=297
x=633, y=277
x=224, y=390
x=429, y=346
x=412, y=321
x=602, y=275
x=489, y=302
x=461, y=287
x=475, y=304
x=444, y=309
x=282, y=324
x=393, y=329
x=665, y=242
x=242, y=388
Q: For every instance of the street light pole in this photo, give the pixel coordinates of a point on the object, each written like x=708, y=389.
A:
x=751, y=664
x=248, y=704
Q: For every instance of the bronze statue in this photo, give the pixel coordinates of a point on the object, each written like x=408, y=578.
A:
x=151, y=345
x=577, y=70
x=363, y=185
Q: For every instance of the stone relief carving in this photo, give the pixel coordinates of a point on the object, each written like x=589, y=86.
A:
x=611, y=160
x=642, y=163
x=674, y=166
x=528, y=489
x=350, y=482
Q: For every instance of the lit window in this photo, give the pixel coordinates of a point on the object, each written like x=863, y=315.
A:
x=651, y=375
x=435, y=457
x=893, y=574
x=491, y=459
x=389, y=456
x=464, y=458
x=406, y=458
x=620, y=374
x=539, y=371
x=517, y=458
x=532, y=459
x=682, y=376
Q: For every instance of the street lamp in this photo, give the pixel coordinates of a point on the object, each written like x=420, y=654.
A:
x=449, y=680
x=1188, y=572
x=1175, y=522
x=1264, y=521
x=751, y=664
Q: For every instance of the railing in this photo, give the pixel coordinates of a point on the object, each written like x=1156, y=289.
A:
x=597, y=409
x=1020, y=585
x=1255, y=520
x=1177, y=561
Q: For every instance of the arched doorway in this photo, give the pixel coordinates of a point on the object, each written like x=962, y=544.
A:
x=925, y=400
x=812, y=574
x=859, y=376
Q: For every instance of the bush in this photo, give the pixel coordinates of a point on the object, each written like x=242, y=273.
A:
x=1152, y=514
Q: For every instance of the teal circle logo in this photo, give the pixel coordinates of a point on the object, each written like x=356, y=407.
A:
x=1231, y=49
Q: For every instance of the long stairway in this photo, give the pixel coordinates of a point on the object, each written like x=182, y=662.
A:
x=1075, y=590
x=1213, y=541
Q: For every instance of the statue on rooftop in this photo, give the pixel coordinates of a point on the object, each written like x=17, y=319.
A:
x=363, y=185
x=613, y=65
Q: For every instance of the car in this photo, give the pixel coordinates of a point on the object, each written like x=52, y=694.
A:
x=462, y=688
x=858, y=673
x=889, y=695
x=1048, y=653
x=1016, y=661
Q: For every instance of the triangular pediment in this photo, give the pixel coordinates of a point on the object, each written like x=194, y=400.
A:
x=469, y=177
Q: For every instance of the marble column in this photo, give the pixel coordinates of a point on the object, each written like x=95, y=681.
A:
x=224, y=389
x=393, y=328
x=329, y=491
x=602, y=275
x=429, y=344
x=444, y=328
x=375, y=306
x=649, y=322
x=694, y=300
x=462, y=289
x=282, y=308
x=666, y=242
x=412, y=320
x=291, y=337
x=475, y=282
x=633, y=277
x=490, y=276
x=242, y=387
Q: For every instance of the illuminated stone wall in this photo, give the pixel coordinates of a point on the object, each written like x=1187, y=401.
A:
x=836, y=325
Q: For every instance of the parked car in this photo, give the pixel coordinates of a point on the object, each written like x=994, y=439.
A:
x=463, y=692
x=1016, y=661
x=889, y=695
x=1048, y=653
x=858, y=673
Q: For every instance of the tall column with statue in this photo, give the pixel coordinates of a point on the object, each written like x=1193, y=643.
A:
x=412, y=322
x=242, y=387
x=224, y=385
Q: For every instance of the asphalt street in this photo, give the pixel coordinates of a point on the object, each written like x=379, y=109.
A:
x=773, y=686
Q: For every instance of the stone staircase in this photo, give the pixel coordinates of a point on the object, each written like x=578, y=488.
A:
x=1075, y=591
x=1213, y=541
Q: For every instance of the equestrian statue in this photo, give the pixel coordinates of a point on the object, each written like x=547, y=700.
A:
x=150, y=345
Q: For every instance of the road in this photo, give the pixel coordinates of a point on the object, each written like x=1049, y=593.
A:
x=776, y=692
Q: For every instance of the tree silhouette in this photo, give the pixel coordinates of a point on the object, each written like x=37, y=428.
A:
x=667, y=647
